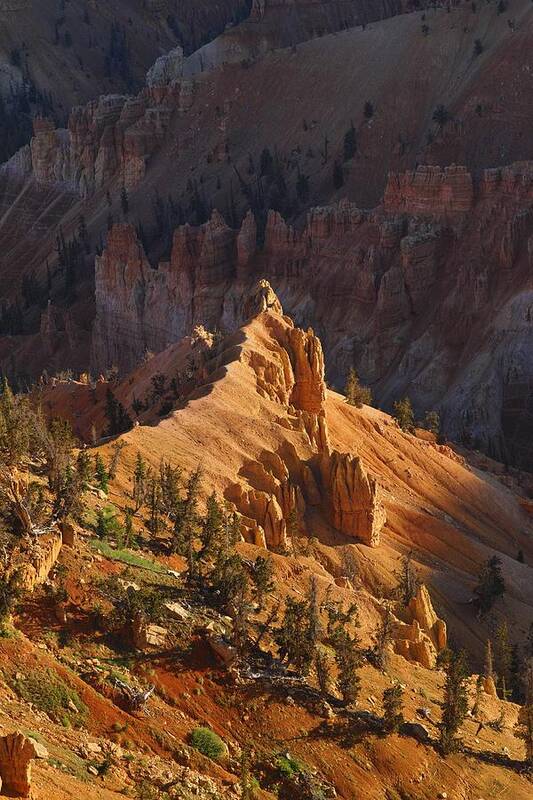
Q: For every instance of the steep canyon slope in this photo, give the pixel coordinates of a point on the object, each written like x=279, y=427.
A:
x=424, y=288
x=254, y=412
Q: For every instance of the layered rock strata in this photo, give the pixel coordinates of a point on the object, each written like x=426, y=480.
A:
x=428, y=295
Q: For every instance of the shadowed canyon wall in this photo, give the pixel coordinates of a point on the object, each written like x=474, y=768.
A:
x=428, y=295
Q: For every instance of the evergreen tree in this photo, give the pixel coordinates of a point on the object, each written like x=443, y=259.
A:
x=240, y=613
x=502, y=652
x=338, y=175
x=356, y=395
x=323, y=671
x=211, y=531
x=432, y=423
x=129, y=533
x=140, y=486
x=124, y=202
x=392, y=708
x=516, y=670
x=404, y=415
x=368, y=110
x=154, y=495
x=478, y=696
x=491, y=585
x=348, y=659
x=186, y=524
x=247, y=783
x=117, y=448
x=262, y=574
x=350, y=143
x=408, y=582
x=102, y=478
x=382, y=640
x=524, y=727
x=441, y=115
x=118, y=418
x=59, y=444
x=84, y=467
x=292, y=637
x=455, y=705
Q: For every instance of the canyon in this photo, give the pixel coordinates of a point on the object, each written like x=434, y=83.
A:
x=233, y=235
x=427, y=294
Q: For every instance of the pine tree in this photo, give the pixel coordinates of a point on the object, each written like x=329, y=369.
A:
x=292, y=637
x=368, y=109
x=124, y=201
x=262, y=574
x=479, y=693
x=323, y=671
x=408, y=582
x=247, y=783
x=350, y=143
x=59, y=444
x=140, y=487
x=186, y=525
x=491, y=585
x=356, y=395
x=338, y=175
x=211, y=531
x=102, y=478
x=432, y=423
x=117, y=448
x=129, y=533
x=382, y=639
x=240, y=613
x=84, y=468
x=455, y=705
x=516, y=670
x=392, y=708
x=348, y=659
x=502, y=652
x=118, y=418
x=441, y=115
x=524, y=727
x=404, y=415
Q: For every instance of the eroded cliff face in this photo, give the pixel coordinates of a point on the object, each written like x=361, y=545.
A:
x=275, y=491
x=110, y=138
x=429, y=295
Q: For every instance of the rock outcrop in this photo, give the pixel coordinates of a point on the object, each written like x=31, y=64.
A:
x=421, y=635
x=16, y=754
x=35, y=565
x=291, y=373
x=167, y=69
x=355, y=498
x=430, y=191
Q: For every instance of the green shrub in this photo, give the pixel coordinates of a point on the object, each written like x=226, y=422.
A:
x=288, y=766
x=49, y=693
x=208, y=743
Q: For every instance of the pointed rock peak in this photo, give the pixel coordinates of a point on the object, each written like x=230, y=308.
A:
x=262, y=298
x=307, y=357
x=216, y=220
x=123, y=245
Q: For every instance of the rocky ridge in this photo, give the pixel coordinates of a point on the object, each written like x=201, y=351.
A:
x=385, y=280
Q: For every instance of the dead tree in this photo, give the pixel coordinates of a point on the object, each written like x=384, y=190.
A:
x=135, y=699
